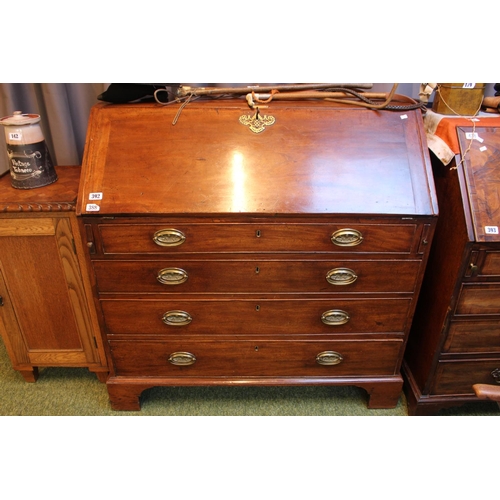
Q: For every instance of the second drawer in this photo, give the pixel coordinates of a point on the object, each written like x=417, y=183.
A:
x=255, y=276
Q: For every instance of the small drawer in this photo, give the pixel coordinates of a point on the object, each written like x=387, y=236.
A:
x=487, y=265
x=241, y=317
x=255, y=276
x=458, y=377
x=169, y=237
x=478, y=299
x=473, y=337
x=191, y=358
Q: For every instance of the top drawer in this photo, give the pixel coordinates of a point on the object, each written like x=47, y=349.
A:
x=148, y=238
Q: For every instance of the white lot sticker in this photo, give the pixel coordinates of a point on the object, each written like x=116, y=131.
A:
x=491, y=229
x=482, y=149
x=95, y=196
x=15, y=136
x=404, y=117
x=92, y=207
x=473, y=135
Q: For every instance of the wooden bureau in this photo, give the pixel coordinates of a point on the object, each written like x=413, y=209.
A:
x=47, y=315
x=223, y=256
x=455, y=339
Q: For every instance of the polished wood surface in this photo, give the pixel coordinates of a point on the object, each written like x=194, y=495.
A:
x=255, y=254
x=47, y=316
x=315, y=159
x=455, y=341
x=57, y=197
x=480, y=148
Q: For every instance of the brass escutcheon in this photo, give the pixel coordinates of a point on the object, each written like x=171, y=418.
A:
x=176, y=318
x=341, y=276
x=182, y=358
x=335, y=317
x=347, y=237
x=172, y=276
x=329, y=358
x=169, y=237
x=257, y=123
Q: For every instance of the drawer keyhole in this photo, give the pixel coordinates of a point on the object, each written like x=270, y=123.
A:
x=258, y=233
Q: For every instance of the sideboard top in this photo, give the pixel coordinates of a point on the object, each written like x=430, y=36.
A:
x=59, y=196
x=316, y=158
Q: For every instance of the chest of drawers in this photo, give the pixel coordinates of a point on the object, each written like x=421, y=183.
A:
x=455, y=339
x=220, y=256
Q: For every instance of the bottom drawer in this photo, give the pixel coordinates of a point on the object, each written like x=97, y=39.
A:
x=256, y=358
x=458, y=377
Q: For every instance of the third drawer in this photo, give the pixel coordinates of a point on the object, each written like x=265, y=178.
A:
x=246, y=316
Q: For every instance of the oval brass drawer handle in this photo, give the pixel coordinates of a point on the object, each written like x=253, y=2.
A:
x=347, y=237
x=329, y=358
x=341, y=276
x=335, y=317
x=176, y=318
x=172, y=276
x=169, y=237
x=182, y=358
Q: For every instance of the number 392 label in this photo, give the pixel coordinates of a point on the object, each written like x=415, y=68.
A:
x=491, y=229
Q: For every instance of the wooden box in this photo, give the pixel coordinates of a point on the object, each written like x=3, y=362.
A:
x=225, y=254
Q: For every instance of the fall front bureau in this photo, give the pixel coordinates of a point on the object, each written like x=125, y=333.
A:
x=221, y=256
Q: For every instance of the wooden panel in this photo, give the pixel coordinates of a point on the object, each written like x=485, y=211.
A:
x=473, y=336
x=458, y=377
x=239, y=317
x=262, y=237
x=58, y=358
x=254, y=276
x=316, y=159
x=27, y=227
x=491, y=264
x=479, y=299
x=256, y=358
x=483, y=176
x=37, y=284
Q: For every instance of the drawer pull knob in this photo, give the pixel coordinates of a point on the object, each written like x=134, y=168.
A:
x=329, y=358
x=176, y=318
x=182, y=359
x=347, y=237
x=335, y=317
x=341, y=276
x=172, y=276
x=169, y=237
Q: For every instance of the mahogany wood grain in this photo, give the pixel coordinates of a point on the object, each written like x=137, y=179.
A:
x=454, y=341
x=257, y=212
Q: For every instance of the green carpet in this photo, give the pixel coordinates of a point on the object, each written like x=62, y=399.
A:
x=77, y=392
